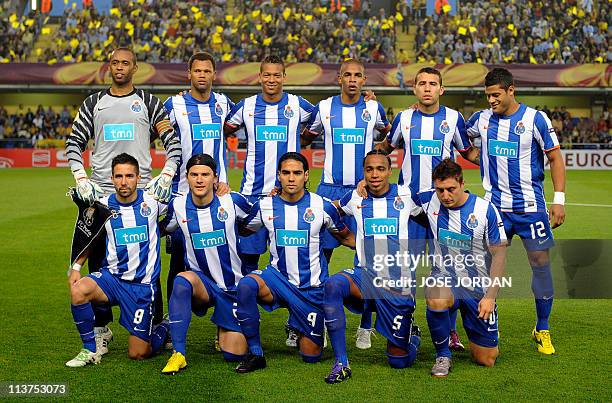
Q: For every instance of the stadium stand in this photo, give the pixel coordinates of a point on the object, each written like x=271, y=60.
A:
x=532, y=31
x=17, y=34
x=168, y=31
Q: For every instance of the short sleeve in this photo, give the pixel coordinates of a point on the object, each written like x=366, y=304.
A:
x=306, y=109
x=461, y=141
x=381, y=120
x=471, y=126
x=345, y=203
x=315, y=125
x=235, y=119
x=394, y=137
x=496, y=234
x=253, y=221
x=544, y=132
x=243, y=207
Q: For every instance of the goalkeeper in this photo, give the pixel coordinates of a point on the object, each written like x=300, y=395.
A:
x=121, y=119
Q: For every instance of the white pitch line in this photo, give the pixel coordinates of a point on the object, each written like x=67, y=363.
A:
x=586, y=205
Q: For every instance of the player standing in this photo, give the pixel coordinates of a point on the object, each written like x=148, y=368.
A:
x=120, y=119
x=209, y=225
x=382, y=231
x=429, y=133
x=295, y=220
x=348, y=123
x=514, y=139
x=129, y=272
x=470, y=245
x=197, y=117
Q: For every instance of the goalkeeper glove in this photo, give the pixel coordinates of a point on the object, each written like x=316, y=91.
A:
x=160, y=187
x=86, y=190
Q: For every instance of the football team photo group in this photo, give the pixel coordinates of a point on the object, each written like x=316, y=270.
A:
x=236, y=254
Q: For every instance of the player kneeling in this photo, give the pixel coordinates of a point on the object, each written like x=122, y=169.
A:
x=470, y=247
x=129, y=272
x=382, y=232
x=208, y=224
x=295, y=220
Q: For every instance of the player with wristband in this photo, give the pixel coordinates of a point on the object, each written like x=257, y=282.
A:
x=513, y=140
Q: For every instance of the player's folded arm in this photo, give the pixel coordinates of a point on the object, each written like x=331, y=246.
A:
x=344, y=236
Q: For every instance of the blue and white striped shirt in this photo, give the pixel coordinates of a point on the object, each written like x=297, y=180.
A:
x=427, y=139
x=210, y=235
x=295, y=231
x=349, y=135
x=199, y=126
x=272, y=129
x=132, y=238
x=512, y=157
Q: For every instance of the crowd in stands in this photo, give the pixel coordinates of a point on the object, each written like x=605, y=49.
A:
x=169, y=31
x=26, y=128
x=17, y=34
x=527, y=31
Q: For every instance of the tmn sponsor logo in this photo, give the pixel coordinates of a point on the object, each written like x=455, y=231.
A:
x=127, y=236
x=271, y=133
x=499, y=148
x=119, y=132
x=288, y=237
x=453, y=239
x=426, y=147
x=349, y=135
x=380, y=226
x=211, y=239
x=206, y=131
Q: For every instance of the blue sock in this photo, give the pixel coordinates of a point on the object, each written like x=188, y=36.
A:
x=158, y=337
x=439, y=327
x=179, y=312
x=453, y=319
x=84, y=319
x=543, y=291
x=248, y=313
x=366, y=320
x=337, y=288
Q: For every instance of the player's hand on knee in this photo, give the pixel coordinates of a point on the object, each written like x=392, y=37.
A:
x=486, y=306
x=361, y=189
x=160, y=187
x=86, y=190
x=73, y=277
x=557, y=215
x=222, y=188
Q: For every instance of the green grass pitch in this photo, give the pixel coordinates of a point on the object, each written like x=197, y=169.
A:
x=38, y=336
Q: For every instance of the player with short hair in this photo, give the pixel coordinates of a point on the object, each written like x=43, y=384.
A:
x=470, y=245
x=120, y=119
x=429, y=133
x=348, y=123
x=295, y=220
x=382, y=231
x=514, y=139
x=209, y=225
x=129, y=272
x=197, y=117
x=272, y=122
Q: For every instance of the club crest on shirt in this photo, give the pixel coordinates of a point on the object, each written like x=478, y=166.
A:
x=88, y=215
x=145, y=210
x=288, y=112
x=136, y=107
x=309, y=215
x=366, y=116
x=398, y=203
x=222, y=215
x=519, y=128
x=472, y=221
x=444, y=127
x=218, y=109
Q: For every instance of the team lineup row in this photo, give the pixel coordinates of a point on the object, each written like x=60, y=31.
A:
x=509, y=141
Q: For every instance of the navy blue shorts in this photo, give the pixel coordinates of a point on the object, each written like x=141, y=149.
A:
x=257, y=243
x=305, y=305
x=225, y=303
x=533, y=228
x=481, y=332
x=135, y=301
x=336, y=192
x=394, y=313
